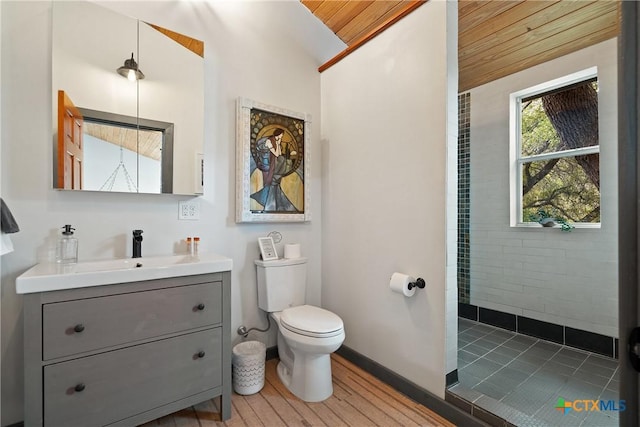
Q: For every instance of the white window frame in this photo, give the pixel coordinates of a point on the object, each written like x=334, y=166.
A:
x=515, y=147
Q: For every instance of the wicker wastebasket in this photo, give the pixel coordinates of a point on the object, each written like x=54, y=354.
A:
x=248, y=367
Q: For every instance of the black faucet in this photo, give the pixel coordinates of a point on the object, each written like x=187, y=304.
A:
x=137, y=243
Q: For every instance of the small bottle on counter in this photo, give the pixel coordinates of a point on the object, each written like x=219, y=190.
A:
x=196, y=243
x=189, y=246
x=67, y=247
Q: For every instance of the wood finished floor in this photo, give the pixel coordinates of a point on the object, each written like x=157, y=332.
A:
x=359, y=399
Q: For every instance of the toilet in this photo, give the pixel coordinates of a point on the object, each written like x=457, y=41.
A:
x=307, y=335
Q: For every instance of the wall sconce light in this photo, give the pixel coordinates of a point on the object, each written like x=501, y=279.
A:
x=130, y=70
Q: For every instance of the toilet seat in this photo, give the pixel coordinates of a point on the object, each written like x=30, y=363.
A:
x=311, y=321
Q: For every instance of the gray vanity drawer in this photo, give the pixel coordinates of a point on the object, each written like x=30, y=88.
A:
x=83, y=325
x=118, y=383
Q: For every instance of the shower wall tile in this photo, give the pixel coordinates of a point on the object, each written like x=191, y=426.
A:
x=464, y=202
x=589, y=341
x=538, y=329
x=467, y=311
x=498, y=318
x=498, y=307
x=451, y=378
x=561, y=334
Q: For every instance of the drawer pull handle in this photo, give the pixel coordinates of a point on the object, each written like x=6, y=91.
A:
x=79, y=327
x=79, y=387
x=200, y=354
x=200, y=307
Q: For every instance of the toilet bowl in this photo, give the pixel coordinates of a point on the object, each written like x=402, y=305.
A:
x=307, y=335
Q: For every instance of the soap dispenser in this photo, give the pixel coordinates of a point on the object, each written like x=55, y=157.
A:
x=67, y=247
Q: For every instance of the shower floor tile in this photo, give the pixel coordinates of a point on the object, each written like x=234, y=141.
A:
x=523, y=379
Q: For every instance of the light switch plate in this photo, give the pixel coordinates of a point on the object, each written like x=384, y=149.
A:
x=189, y=209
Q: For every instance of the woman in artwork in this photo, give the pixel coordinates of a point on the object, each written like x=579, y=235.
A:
x=274, y=159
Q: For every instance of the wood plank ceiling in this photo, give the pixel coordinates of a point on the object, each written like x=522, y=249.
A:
x=353, y=20
x=495, y=37
x=144, y=142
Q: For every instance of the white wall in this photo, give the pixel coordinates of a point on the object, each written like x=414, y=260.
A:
x=1, y=139
x=267, y=51
x=101, y=159
x=385, y=131
x=167, y=98
x=545, y=274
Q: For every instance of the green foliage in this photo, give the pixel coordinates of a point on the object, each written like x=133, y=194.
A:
x=538, y=134
x=565, y=189
x=558, y=186
x=540, y=215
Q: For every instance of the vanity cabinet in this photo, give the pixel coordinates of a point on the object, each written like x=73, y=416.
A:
x=125, y=354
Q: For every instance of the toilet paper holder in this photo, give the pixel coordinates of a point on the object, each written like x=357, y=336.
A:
x=419, y=283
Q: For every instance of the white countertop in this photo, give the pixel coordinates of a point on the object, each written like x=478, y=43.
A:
x=52, y=277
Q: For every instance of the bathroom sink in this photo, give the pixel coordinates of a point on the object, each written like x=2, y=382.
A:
x=51, y=277
x=126, y=263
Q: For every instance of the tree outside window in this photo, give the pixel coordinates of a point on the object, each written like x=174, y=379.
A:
x=558, y=153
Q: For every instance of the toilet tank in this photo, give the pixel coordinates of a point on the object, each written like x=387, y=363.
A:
x=282, y=283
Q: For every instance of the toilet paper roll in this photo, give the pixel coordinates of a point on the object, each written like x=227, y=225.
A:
x=292, y=250
x=400, y=283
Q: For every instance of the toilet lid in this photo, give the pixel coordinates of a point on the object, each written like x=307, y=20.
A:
x=311, y=321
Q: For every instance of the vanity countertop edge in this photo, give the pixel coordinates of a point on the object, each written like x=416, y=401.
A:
x=49, y=276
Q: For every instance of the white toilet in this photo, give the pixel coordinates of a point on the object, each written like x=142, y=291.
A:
x=307, y=335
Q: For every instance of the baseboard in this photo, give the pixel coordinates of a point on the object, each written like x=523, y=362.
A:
x=411, y=390
x=451, y=378
x=560, y=334
x=20, y=424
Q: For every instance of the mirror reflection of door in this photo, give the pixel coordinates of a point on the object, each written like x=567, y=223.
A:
x=70, y=146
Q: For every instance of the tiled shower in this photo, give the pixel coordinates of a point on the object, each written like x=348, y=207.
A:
x=513, y=370
x=464, y=167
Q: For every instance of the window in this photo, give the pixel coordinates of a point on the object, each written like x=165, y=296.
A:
x=555, y=150
x=127, y=154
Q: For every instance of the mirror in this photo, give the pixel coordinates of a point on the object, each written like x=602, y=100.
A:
x=142, y=136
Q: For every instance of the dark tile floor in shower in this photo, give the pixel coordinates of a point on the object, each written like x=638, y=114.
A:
x=520, y=378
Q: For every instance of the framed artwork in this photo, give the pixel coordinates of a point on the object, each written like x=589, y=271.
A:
x=272, y=163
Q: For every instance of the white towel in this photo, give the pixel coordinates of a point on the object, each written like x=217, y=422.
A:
x=6, y=245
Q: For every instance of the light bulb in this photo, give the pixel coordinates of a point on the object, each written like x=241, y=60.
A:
x=131, y=75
